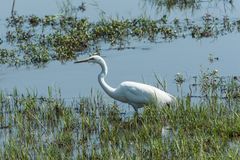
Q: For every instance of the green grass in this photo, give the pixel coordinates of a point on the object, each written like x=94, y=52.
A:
x=89, y=128
x=35, y=127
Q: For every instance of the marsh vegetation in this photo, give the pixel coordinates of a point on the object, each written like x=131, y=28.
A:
x=203, y=124
x=34, y=127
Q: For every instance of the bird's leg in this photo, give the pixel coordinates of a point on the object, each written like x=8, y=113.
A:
x=136, y=109
x=168, y=104
x=136, y=114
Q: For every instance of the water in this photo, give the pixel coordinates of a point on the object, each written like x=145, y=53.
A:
x=186, y=56
x=164, y=59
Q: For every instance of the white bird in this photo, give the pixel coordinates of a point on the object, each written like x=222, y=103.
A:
x=134, y=93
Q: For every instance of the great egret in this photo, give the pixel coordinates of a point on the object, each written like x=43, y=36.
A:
x=133, y=93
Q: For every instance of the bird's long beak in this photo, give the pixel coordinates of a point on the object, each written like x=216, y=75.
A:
x=83, y=60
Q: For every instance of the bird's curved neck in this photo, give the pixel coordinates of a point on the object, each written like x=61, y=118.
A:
x=108, y=89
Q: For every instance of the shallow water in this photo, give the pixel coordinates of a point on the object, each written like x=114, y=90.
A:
x=140, y=64
x=115, y=8
x=164, y=59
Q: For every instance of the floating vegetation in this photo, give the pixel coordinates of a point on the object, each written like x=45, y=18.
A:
x=37, y=40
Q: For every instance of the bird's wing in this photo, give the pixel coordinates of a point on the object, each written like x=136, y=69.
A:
x=135, y=92
x=138, y=93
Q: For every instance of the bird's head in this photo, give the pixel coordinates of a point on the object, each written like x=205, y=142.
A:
x=92, y=59
x=95, y=59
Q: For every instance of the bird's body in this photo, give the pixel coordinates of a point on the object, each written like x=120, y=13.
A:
x=139, y=94
x=133, y=93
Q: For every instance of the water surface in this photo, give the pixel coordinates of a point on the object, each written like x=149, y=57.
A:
x=164, y=59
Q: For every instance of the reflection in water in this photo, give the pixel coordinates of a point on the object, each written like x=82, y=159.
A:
x=233, y=145
x=170, y=5
x=167, y=140
x=167, y=134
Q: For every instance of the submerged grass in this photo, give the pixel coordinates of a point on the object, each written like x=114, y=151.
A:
x=88, y=128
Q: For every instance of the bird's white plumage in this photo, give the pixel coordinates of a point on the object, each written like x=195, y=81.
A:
x=139, y=94
x=133, y=93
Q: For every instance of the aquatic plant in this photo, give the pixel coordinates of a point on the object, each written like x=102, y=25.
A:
x=47, y=127
x=38, y=40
